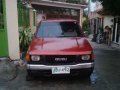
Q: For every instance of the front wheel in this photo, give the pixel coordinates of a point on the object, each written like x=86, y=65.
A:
x=29, y=76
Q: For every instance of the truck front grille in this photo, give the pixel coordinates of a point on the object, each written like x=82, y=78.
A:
x=61, y=59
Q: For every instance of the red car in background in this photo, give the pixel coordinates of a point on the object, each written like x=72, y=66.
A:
x=59, y=48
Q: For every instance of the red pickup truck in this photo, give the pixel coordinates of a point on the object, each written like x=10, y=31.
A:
x=59, y=48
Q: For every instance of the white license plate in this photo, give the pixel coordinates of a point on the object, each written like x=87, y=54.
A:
x=61, y=70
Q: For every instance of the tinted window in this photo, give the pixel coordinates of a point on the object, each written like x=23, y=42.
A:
x=58, y=29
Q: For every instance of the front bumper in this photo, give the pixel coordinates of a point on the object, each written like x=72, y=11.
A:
x=45, y=70
x=47, y=67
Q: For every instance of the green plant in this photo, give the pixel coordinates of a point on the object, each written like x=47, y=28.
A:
x=86, y=27
x=25, y=37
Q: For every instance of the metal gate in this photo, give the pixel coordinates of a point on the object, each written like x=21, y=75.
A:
x=3, y=30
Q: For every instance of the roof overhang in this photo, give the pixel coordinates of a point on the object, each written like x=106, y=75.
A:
x=58, y=4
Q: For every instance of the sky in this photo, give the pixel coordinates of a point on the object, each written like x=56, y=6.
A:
x=92, y=5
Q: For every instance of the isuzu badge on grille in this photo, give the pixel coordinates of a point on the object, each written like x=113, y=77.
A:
x=60, y=59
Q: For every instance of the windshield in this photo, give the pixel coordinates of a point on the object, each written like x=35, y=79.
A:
x=58, y=29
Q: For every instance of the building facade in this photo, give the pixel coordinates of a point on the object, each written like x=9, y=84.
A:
x=17, y=15
x=99, y=19
x=57, y=9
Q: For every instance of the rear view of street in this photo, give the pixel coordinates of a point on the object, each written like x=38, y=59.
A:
x=105, y=76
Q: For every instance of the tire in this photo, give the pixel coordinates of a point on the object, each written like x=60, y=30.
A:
x=88, y=74
x=29, y=76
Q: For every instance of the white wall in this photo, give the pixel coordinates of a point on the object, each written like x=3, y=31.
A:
x=12, y=29
x=107, y=21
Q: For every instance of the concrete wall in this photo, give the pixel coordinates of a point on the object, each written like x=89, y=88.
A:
x=33, y=28
x=81, y=17
x=12, y=29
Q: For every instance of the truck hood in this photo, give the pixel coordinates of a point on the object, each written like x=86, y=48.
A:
x=59, y=46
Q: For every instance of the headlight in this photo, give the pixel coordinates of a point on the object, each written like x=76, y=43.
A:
x=85, y=57
x=35, y=58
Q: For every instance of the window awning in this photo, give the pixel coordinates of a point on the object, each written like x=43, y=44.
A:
x=58, y=4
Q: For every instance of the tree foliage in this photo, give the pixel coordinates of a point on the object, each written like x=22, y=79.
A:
x=86, y=27
x=111, y=6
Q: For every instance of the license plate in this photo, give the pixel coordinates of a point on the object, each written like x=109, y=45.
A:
x=61, y=70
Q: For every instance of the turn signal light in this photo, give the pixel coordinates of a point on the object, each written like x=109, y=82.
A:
x=93, y=56
x=27, y=57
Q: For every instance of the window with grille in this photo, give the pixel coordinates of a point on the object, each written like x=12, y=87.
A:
x=34, y=18
x=23, y=14
x=1, y=15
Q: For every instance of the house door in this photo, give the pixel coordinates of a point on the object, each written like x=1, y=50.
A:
x=3, y=31
x=114, y=28
x=118, y=31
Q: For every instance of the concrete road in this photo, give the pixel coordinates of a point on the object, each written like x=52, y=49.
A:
x=106, y=75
